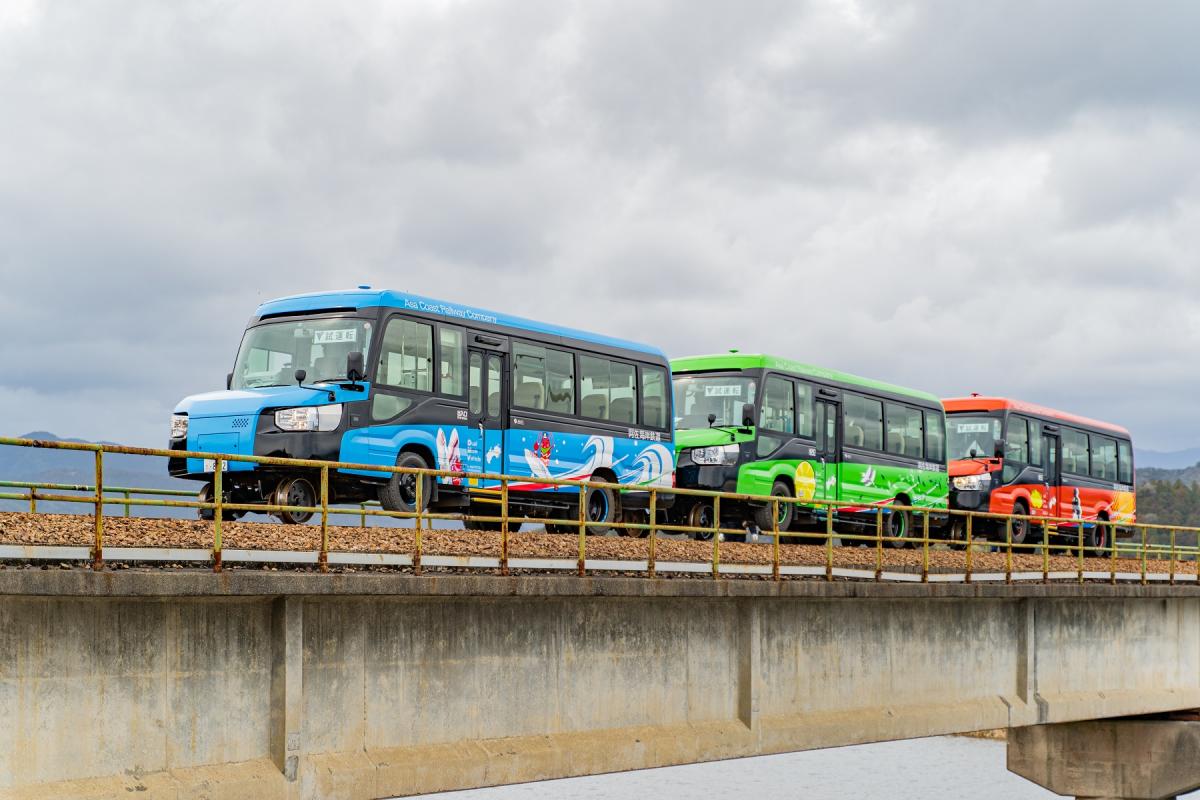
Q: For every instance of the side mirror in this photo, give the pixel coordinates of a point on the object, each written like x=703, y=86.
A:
x=711, y=419
x=300, y=375
x=748, y=415
x=228, y=381
x=354, y=366
x=999, y=448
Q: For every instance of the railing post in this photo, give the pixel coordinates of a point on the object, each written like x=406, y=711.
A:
x=653, y=529
x=775, y=547
x=126, y=504
x=1172, y=556
x=98, y=546
x=504, y=526
x=417, y=494
x=582, y=529
x=1113, y=569
x=323, y=558
x=1045, y=552
x=1008, y=556
x=218, y=510
x=970, y=527
x=33, y=501
x=1144, y=531
x=716, y=558
x=879, y=543
x=362, y=507
x=1080, y=562
x=925, y=548
x=828, y=541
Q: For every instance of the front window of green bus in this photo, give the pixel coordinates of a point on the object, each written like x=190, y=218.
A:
x=270, y=354
x=722, y=396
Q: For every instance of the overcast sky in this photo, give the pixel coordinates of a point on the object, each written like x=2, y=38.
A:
x=985, y=196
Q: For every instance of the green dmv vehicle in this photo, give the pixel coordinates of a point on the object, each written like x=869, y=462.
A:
x=762, y=425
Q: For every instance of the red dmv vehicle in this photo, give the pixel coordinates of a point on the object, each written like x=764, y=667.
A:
x=1010, y=457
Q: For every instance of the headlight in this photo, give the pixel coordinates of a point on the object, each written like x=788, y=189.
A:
x=727, y=454
x=972, y=483
x=179, y=426
x=309, y=418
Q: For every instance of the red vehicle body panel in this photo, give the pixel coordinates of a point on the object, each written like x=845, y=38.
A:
x=1116, y=502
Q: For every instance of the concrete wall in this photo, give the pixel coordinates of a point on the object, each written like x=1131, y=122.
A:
x=193, y=686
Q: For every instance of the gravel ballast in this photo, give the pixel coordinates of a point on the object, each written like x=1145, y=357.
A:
x=62, y=529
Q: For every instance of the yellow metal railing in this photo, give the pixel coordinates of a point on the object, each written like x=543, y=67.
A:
x=1140, y=558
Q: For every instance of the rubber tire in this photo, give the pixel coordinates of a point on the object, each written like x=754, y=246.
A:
x=700, y=516
x=1023, y=530
x=602, y=506
x=294, y=492
x=903, y=530
x=1095, y=541
x=392, y=495
x=787, y=511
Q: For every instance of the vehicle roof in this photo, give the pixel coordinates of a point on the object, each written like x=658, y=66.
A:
x=978, y=403
x=389, y=298
x=732, y=361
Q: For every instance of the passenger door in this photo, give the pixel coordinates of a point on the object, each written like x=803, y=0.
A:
x=486, y=404
x=1052, y=474
x=826, y=430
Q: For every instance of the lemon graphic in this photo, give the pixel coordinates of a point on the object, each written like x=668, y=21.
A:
x=806, y=481
x=1035, y=498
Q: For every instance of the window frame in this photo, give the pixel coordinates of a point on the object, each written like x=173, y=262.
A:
x=610, y=360
x=1092, y=437
x=905, y=409
x=809, y=413
x=668, y=416
x=790, y=384
x=1128, y=448
x=435, y=370
x=1064, y=431
x=516, y=341
x=464, y=376
x=926, y=414
x=846, y=396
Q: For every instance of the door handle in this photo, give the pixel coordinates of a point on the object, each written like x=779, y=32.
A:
x=481, y=429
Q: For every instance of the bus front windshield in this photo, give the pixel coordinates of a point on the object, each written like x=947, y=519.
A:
x=972, y=435
x=697, y=396
x=270, y=354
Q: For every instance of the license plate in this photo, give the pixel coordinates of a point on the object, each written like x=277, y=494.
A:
x=210, y=465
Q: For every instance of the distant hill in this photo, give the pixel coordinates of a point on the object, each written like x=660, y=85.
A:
x=38, y=465
x=1175, y=459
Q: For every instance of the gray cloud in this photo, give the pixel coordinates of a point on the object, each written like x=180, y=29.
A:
x=995, y=197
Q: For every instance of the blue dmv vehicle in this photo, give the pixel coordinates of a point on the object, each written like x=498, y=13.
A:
x=387, y=378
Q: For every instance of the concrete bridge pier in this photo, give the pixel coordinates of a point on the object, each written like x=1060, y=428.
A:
x=1130, y=759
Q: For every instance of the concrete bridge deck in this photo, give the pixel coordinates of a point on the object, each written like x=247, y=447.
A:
x=293, y=685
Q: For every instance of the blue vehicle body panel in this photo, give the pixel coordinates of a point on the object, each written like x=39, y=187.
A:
x=226, y=422
x=530, y=455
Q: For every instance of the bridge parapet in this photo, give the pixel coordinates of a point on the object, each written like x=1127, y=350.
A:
x=308, y=685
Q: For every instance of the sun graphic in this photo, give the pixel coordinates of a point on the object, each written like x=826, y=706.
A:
x=806, y=481
x=1035, y=499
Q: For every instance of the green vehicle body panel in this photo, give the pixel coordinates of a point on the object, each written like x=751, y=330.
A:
x=854, y=486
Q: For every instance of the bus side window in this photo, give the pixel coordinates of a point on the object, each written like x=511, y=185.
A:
x=804, y=410
x=1124, y=462
x=406, y=358
x=654, y=397
x=864, y=422
x=450, y=360
x=779, y=406
x=1104, y=458
x=543, y=378
x=935, y=437
x=1035, y=442
x=1075, y=452
x=903, y=430
x=1016, y=448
